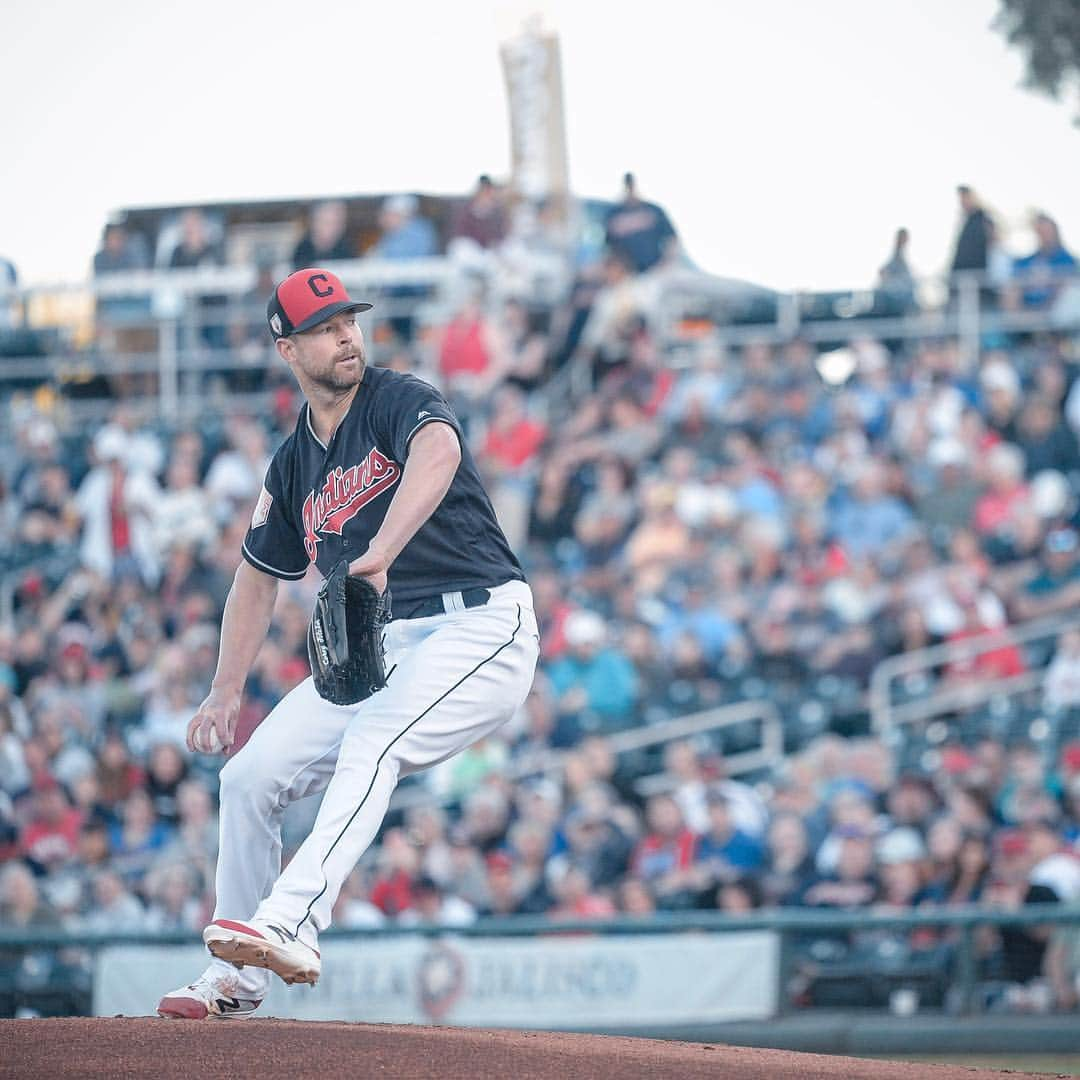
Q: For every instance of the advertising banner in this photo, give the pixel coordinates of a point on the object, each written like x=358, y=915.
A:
x=568, y=982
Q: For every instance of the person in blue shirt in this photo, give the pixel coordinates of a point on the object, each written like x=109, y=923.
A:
x=595, y=683
x=871, y=520
x=725, y=852
x=1041, y=273
x=405, y=234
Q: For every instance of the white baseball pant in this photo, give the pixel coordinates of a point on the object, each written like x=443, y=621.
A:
x=454, y=678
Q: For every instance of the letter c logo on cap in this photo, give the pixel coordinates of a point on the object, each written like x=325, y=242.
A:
x=328, y=291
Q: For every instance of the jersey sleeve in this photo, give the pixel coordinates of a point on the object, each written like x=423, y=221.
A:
x=405, y=408
x=273, y=543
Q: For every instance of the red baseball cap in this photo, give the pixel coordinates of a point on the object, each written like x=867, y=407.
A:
x=305, y=299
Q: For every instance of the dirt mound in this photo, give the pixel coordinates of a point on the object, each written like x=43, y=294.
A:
x=287, y=1048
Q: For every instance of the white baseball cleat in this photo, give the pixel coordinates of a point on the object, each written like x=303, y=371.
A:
x=264, y=945
x=205, y=999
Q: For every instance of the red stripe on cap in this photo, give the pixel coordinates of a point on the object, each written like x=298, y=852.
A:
x=305, y=292
x=238, y=927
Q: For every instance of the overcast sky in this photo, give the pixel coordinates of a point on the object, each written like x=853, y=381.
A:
x=786, y=139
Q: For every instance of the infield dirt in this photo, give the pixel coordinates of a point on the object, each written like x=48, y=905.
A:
x=268, y=1049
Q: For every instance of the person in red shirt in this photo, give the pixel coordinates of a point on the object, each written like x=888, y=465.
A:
x=471, y=354
x=392, y=892
x=1001, y=658
x=665, y=854
x=1007, y=495
x=513, y=439
x=51, y=836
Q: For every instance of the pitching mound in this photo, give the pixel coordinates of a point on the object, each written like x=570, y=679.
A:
x=286, y=1048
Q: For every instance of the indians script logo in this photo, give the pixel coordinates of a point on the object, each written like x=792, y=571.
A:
x=343, y=495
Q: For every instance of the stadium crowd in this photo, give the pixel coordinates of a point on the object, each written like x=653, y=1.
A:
x=742, y=524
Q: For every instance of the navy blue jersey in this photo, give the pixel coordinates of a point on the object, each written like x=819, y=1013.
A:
x=324, y=503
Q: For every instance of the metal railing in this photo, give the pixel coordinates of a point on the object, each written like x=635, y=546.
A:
x=795, y=926
x=553, y=762
x=954, y=308
x=886, y=715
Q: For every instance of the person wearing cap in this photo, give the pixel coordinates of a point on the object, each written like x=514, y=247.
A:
x=376, y=474
x=1056, y=586
x=595, y=683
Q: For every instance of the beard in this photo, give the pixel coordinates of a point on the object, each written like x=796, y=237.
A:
x=337, y=377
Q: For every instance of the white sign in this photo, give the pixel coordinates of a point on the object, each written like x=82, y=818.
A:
x=576, y=982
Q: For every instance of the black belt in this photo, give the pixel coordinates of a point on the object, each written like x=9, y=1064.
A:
x=433, y=605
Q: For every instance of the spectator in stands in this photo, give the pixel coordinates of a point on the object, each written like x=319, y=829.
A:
x=789, y=864
x=50, y=836
x=575, y=898
x=433, y=906
x=999, y=394
x=901, y=859
x=182, y=512
x=116, y=504
x=949, y=498
x=595, y=683
x=1006, y=497
x=639, y=231
x=896, y=281
x=404, y=233
x=854, y=882
x=398, y=869
x=481, y=220
x=1041, y=275
x=120, y=251
x=405, y=236
x=725, y=853
x=122, y=320
x=530, y=843
x=664, y=857
x=525, y=343
x=167, y=769
x=22, y=906
x=513, y=438
x=596, y=844
x=1054, y=864
x=1044, y=437
x=871, y=521
x=138, y=838
x=354, y=910
x=198, y=249
x=1022, y=948
x=470, y=351
x=503, y=896
x=327, y=238
x=1056, y=584
x=174, y=905
x=114, y=909
x=973, y=243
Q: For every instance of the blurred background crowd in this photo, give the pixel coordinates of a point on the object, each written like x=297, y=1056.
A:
x=709, y=522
